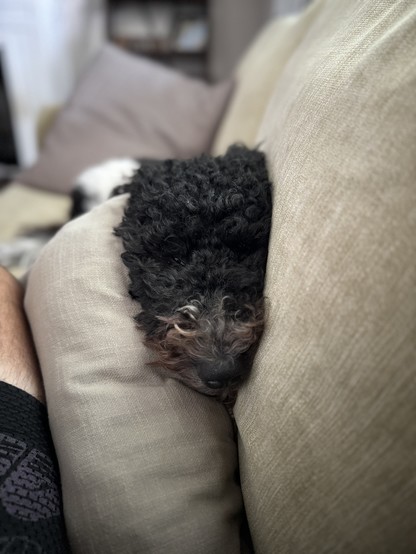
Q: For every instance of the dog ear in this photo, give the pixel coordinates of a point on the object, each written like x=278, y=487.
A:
x=182, y=321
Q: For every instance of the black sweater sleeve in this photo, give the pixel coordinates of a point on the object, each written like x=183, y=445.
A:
x=31, y=516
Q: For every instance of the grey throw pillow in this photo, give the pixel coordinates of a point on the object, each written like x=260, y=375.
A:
x=127, y=106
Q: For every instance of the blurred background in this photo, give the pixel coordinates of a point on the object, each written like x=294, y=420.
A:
x=46, y=44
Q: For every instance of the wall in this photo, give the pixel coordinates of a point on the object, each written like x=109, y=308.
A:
x=45, y=45
x=234, y=24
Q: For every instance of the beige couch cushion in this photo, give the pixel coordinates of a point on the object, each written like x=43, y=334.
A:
x=257, y=74
x=147, y=465
x=328, y=419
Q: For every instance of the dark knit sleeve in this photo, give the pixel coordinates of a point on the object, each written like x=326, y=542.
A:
x=31, y=516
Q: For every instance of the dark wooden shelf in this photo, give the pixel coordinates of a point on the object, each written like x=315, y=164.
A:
x=194, y=62
x=149, y=49
x=175, y=2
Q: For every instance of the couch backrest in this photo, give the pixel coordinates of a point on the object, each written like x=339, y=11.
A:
x=327, y=418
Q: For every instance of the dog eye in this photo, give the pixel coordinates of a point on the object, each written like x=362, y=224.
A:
x=187, y=325
x=189, y=318
x=243, y=314
x=189, y=313
x=184, y=328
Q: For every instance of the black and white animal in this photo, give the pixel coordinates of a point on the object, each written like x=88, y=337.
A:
x=196, y=237
x=96, y=184
x=92, y=187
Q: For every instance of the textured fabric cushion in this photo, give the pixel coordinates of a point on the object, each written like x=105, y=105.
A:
x=328, y=419
x=147, y=465
x=257, y=74
x=127, y=106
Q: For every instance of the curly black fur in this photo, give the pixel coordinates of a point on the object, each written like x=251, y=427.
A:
x=196, y=236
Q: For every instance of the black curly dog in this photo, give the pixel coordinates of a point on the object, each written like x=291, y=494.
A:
x=196, y=235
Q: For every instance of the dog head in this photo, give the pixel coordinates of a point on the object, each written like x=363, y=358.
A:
x=209, y=343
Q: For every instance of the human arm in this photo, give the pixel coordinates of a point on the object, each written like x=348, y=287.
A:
x=18, y=362
x=31, y=515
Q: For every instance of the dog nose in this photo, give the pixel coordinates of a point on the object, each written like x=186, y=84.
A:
x=216, y=374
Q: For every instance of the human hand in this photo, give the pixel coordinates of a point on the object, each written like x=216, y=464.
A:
x=18, y=361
